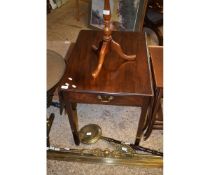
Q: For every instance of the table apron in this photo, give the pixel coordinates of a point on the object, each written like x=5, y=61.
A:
x=106, y=99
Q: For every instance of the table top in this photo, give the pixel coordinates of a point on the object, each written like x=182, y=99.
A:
x=117, y=76
x=156, y=53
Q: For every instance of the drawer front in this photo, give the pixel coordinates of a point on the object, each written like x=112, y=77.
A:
x=106, y=99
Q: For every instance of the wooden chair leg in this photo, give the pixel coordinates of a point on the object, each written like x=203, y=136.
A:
x=49, y=124
x=160, y=112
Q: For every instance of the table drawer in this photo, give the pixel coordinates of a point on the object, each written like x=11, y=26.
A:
x=106, y=99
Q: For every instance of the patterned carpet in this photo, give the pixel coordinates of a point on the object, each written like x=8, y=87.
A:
x=62, y=24
x=118, y=122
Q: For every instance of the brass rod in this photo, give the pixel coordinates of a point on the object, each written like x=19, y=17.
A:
x=142, y=160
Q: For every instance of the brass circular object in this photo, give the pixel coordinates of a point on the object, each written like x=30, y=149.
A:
x=90, y=133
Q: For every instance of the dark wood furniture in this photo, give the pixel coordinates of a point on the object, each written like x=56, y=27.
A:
x=56, y=67
x=49, y=125
x=120, y=82
x=156, y=118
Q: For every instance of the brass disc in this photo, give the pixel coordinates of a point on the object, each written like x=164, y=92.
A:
x=90, y=133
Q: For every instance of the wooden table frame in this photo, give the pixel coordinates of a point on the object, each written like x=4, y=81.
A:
x=156, y=53
x=123, y=86
x=71, y=110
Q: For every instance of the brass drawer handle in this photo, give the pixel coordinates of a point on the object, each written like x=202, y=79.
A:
x=105, y=99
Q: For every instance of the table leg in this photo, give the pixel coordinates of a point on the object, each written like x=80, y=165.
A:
x=158, y=95
x=141, y=122
x=149, y=114
x=49, y=125
x=61, y=101
x=73, y=120
x=74, y=108
x=160, y=112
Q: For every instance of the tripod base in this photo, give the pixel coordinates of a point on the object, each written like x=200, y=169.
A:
x=104, y=48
